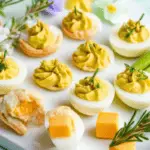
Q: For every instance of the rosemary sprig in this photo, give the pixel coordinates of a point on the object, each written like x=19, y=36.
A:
x=141, y=75
x=2, y=64
x=6, y=3
x=19, y=24
x=132, y=30
x=133, y=131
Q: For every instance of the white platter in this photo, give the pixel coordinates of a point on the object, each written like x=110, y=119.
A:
x=37, y=138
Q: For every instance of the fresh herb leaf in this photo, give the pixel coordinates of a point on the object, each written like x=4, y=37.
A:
x=95, y=73
x=133, y=130
x=2, y=64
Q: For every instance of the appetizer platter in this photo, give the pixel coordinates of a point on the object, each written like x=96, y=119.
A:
x=71, y=82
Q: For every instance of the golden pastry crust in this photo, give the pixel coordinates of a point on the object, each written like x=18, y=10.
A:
x=33, y=52
x=80, y=35
x=19, y=123
x=14, y=124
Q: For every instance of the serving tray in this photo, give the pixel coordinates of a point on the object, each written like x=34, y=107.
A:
x=37, y=138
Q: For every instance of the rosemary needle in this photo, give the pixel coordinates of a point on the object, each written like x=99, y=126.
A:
x=133, y=131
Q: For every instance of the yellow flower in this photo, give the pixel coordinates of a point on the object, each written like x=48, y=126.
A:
x=84, y=5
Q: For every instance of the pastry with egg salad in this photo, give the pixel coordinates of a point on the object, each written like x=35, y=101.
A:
x=12, y=73
x=53, y=75
x=131, y=39
x=20, y=107
x=80, y=25
x=90, y=56
x=65, y=128
x=133, y=87
x=40, y=40
x=91, y=95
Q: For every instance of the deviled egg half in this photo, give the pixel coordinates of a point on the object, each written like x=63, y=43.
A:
x=90, y=56
x=65, y=128
x=131, y=39
x=91, y=95
x=80, y=25
x=12, y=73
x=40, y=40
x=133, y=87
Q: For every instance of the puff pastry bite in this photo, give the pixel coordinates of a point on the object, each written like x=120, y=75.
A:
x=12, y=73
x=80, y=25
x=53, y=75
x=90, y=56
x=40, y=40
x=20, y=107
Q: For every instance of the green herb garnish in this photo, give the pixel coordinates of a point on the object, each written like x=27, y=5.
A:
x=2, y=64
x=6, y=3
x=19, y=24
x=141, y=75
x=75, y=10
x=132, y=30
x=133, y=131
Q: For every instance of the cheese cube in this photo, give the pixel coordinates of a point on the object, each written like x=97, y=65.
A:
x=124, y=146
x=61, y=126
x=107, y=125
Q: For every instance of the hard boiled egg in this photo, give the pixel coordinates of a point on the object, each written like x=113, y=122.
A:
x=10, y=84
x=92, y=107
x=127, y=49
x=65, y=128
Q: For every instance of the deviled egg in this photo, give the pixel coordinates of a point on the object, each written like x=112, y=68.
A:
x=12, y=73
x=40, y=40
x=80, y=25
x=131, y=39
x=90, y=56
x=133, y=87
x=91, y=95
x=65, y=128
x=20, y=107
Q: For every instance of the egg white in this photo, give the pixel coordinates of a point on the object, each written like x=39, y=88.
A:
x=8, y=85
x=92, y=107
x=127, y=49
x=136, y=101
x=72, y=142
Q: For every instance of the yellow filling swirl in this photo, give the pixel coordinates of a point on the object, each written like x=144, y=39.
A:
x=77, y=21
x=91, y=55
x=53, y=74
x=91, y=92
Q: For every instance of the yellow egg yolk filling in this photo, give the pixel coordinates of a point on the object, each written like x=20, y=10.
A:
x=96, y=91
x=25, y=108
x=52, y=74
x=77, y=21
x=133, y=82
x=11, y=70
x=40, y=36
x=91, y=55
x=133, y=32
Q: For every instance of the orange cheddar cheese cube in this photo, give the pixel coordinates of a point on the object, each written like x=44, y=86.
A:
x=107, y=125
x=124, y=146
x=61, y=126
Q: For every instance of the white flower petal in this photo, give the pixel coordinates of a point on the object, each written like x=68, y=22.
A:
x=102, y=3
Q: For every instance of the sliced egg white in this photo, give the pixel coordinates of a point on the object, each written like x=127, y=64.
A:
x=8, y=85
x=137, y=101
x=92, y=107
x=127, y=49
x=72, y=142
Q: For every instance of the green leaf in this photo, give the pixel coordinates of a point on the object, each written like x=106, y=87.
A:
x=2, y=13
